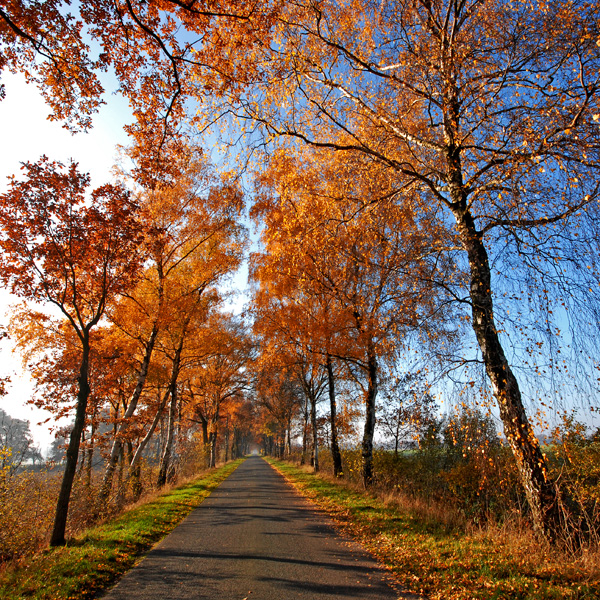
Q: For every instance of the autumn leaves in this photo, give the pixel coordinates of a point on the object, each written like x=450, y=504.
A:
x=348, y=275
x=401, y=151
x=481, y=111
x=135, y=282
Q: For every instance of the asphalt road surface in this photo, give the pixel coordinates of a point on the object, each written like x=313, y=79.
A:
x=255, y=538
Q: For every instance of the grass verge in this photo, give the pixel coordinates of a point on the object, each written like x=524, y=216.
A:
x=442, y=562
x=93, y=561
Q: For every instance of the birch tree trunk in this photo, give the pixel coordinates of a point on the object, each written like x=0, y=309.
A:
x=135, y=461
x=165, y=459
x=369, y=431
x=212, y=437
x=90, y=457
x=304, y=432
x=122, y=429
x=315, y=436
x=540, y=490
x=335, y=450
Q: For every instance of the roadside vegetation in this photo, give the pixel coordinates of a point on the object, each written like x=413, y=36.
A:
x=94, y=558
x=433, y=550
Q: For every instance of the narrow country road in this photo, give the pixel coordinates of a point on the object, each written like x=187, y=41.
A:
x=255, y=538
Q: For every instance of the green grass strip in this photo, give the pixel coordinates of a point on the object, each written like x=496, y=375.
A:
x=439, y=562
x=95, y=560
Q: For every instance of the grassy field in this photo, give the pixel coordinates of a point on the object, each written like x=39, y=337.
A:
x=444, y=562
x=93, y=561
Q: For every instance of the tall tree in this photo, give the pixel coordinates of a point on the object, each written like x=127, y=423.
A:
x=194, y=240
x=294, y=331
x=44, y=42
x=162, y=54
x=342, y=230
x=16, y=443
x=408, y=411
x=483, y=108
x=219, y=376
x=487, y=109
x=279, y=394
x=76, y=254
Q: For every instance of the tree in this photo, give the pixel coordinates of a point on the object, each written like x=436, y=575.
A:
x=486, y=110
x=279, y=395
x=219, y=375
x=46, y=45
x=158, y=52
x=408, y=410
x=291, y=326
x=241, y=417
x=299, y=324
x=194, y=240
x=342, y=230
x=76, y=254
x=57, y=450
x=192, y=298
x=16, y=443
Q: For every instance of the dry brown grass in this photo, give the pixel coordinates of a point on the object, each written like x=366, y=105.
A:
x=26, y=515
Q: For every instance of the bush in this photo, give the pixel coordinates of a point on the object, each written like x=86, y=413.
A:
x=574, y=459
x=462, y=467
x=27, y=502
x=460, y=463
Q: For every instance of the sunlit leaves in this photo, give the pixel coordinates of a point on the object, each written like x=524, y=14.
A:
x=63, y=248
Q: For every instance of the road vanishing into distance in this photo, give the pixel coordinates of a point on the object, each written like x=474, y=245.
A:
x=255, y=538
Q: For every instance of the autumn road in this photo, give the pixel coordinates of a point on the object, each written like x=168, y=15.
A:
x=254, y=538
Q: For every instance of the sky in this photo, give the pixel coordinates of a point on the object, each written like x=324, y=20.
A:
x=26, y=135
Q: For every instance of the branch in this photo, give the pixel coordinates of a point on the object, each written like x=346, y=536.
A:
x=527, y=223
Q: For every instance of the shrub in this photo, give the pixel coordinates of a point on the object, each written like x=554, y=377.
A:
x=27, y=502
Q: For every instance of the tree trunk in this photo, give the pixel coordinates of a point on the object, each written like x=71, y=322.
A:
x=214, y=427
x=335, y=449
x=62, y=506
x=166, y=455
x=227, y=439
x=135, y=476
x=142, y=445
x=165, y=459
x=369, y=431
x=82, y=444
x=90, y=457
x=120, y=500
x=204, y=424
x=304, y=433
x=235, y=444
x=315, y=436
x=540, y=490
x=122, y=429
x=212, y=439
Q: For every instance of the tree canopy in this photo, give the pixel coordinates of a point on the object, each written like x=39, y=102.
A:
x=423, y=173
